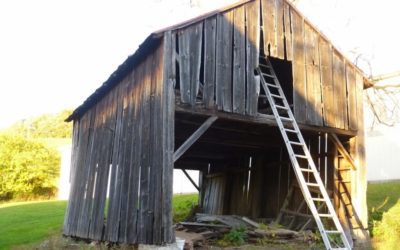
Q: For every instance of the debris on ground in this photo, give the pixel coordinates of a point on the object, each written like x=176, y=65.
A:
x=204, y=230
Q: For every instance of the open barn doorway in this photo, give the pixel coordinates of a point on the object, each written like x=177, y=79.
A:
x=283, y=71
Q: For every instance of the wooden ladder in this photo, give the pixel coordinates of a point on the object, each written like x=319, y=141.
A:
x=307, y=177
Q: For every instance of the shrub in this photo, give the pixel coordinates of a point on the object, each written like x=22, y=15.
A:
x=235, y=237
x=28, y=168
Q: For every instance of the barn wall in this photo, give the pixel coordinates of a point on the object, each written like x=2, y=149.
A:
x=122, y=147
x=217, y=57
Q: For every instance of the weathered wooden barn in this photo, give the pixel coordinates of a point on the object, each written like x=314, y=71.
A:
x=190, y=98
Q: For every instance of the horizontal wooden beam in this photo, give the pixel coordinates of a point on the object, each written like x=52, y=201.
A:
x=258, y=119
x=194, y=137
x=342, y=150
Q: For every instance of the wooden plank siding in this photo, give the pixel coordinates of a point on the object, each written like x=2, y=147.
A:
x=123, y=145
x=120, y=141
x=313, y=83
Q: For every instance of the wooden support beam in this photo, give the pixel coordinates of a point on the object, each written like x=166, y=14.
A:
x=190, y=179
x=258, y=119
x=194, y=137
x=342, y=150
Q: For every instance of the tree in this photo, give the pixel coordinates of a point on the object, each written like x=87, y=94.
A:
x=28, y=169
x=44, y=126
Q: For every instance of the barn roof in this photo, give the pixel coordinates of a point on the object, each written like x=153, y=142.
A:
x=153, y=40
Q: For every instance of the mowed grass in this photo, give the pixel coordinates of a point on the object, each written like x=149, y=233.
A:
x=25, y=223
x=28, y=222
x=384, y=214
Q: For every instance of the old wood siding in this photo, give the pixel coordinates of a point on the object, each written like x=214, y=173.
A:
x=217, y=57
x=123, y=146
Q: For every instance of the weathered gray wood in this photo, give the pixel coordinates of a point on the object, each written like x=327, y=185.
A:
x=157, y=164
x=299, y=86
x=125, y=159
x=314, y=107
x=168, y=114
x=194, y=137
x=279, y=29
x=325, y=52
x=189, y=61
x=129, y=224
x=210, y=27
x=239, y=60
x=269, y=27
x=112, y=221
x=352, y=97
x=224, y=61
x=261, y=119
x=288, y=31
x=339, y=89
x=252, y=54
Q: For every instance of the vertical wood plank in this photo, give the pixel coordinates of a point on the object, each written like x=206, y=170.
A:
x=112, y=215
x=190, y=40
x=352, y=97
x=339, y=90
x=210, y=27
x=252, y=54
x=168, y=100
x=314, y=107
x=280, y=39
x=269, y=27
x=288, y=31
x=325, y=51
x=239, y=59
x=299, y=84
x=224, y=61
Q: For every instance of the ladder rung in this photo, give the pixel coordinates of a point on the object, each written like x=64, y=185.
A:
x=268, y=75
x=296, y=143
x=286, y=118
x=325, y=215
x=306, y=170
x=332, y=232
x=312, y=184
x=301, y=156
x=272, y=85
x=318, y=199
x=281, y=107
x=276, y=96
x=291, y=131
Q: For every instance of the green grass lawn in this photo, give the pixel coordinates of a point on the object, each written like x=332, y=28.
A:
x=24, y=223
x=384, y=214
x=28, y=222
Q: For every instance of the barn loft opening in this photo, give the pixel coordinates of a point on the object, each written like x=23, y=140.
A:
x=283, y=71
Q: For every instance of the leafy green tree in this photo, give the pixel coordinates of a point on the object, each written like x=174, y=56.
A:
x=44, y=126
x=28, y=169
